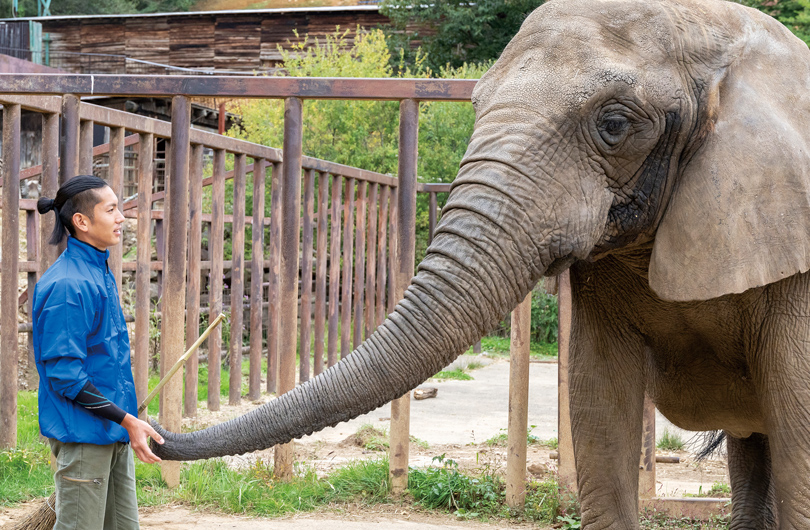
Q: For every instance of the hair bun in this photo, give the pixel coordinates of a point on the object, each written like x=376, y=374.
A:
x=44, y=205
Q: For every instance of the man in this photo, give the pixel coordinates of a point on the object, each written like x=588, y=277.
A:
x=87, y=402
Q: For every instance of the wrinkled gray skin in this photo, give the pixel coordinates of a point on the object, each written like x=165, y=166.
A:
x=657, y=149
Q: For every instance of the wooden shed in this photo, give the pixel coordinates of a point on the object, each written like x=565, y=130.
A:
x=243, y=41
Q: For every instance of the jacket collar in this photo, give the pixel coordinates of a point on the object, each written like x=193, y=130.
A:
x=87, y=252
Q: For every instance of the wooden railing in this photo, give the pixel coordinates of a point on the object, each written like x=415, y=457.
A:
x=338, y=240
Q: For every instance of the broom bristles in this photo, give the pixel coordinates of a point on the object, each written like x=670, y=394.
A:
x=43, y=518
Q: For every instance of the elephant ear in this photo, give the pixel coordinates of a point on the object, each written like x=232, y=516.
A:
x=739, y=214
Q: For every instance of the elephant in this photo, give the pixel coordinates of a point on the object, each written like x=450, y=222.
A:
x=658, y=150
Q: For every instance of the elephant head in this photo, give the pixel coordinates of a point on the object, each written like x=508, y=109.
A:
x=606, y=125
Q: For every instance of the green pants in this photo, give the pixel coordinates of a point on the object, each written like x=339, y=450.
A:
x=95, y=487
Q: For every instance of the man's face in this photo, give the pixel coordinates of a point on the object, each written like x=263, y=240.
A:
x=104, y=229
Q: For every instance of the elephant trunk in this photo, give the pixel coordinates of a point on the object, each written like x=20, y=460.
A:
x=481, y=264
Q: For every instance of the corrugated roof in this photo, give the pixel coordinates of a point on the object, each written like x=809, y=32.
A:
x=203, y=13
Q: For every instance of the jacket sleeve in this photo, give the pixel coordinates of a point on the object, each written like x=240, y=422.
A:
x=63, y=324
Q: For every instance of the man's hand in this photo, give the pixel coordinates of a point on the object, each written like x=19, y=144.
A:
x=139, y=432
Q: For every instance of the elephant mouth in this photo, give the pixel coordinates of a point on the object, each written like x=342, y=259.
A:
x=560, y=265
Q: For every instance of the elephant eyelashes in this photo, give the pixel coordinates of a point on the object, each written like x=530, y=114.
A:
x=613, y=129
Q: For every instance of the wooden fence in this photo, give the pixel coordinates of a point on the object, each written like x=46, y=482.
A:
x=330, y=233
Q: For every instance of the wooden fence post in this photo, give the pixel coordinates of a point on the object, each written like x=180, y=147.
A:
x=567, y=472
x=193, y=278
x=518, y=404
x=116, y=182
x=406, y=237
x=174, y=296
x=215, y=251
x=9, y=354
x=290, y=238
x=237, y=280
x=143, y=302
x=256, y=280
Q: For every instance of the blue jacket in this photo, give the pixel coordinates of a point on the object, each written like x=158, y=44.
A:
x=80, y=335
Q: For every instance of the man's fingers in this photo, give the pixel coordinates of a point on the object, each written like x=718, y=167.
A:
x=145, y=455
x=153, y=434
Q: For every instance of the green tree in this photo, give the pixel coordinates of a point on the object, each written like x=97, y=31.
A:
x=28, y=8
x=454, y=32
x=364, y=133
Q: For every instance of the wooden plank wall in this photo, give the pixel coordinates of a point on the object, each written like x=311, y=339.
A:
x=227, y=41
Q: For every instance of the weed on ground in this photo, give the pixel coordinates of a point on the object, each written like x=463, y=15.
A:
x=670, y=442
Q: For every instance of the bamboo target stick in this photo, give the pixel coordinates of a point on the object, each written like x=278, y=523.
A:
x=179, y=363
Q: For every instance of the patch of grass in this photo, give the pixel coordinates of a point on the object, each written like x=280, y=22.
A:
x=370, y=438
x=25, y=472
x=457, y=374
x=718, y=489
x=500, y=439
x=499, y=346
x=420, y=442
x=670, y=441
x=444, y=487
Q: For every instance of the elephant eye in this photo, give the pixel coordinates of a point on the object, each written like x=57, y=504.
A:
x=613, y=129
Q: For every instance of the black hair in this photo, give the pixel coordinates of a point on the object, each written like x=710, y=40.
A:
x=77, y=195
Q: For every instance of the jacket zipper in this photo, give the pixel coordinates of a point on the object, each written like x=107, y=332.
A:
x=96, y=481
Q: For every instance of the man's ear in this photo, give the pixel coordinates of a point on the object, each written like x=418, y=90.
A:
x=81, y=222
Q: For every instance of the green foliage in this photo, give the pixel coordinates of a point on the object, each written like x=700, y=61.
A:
x=371, y=438
x=654, y=520
x=545, y=314
x=670, y=441
x=795, y=14
x=453, y=32
x=500, y=439
x=456, y=374
x=444, y=487
x=499, y=346
x=718, y=489
x=569, y=522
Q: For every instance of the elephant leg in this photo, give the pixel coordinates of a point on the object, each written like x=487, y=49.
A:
x=606, y=373
x=752, y=493
x=780, y=364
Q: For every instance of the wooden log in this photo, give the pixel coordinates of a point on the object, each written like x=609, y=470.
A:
x=348, y=243
x=360, y=264
x=216, y=252
x=425, y=393
x=193, y=281
x=32, y=253
x=256, y=281
x=140, y=364
x=321, y=259
x=306, y=277
x=334, y=271
x=237, y=280
x=9, y=356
